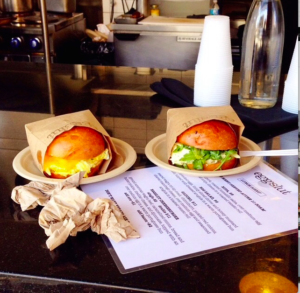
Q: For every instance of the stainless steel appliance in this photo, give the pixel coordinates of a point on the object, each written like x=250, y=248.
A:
x=175, y=8
x=171, y=43
x=16, y=6
x=22, y=38
x=64, y=6
x=166, y=42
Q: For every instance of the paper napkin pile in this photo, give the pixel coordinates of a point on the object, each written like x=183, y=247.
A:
x=67, y=210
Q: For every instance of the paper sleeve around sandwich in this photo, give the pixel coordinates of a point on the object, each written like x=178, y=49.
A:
x=181, y=119
x=41, y=133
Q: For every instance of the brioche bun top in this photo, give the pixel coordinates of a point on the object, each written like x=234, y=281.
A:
x=210, y=135
x=77, y=149
x=78, y=143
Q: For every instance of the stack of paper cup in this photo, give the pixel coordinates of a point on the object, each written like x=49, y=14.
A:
x=214, y=69
x=290, y=93
x=288, y=164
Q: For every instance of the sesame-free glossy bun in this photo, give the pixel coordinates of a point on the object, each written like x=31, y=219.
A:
x=210, y=135
x=71, y=147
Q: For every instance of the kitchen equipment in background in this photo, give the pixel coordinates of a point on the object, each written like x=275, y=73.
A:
x=175, y=8
x=60, y=6
x=148, y=43
x=142, y=7
x=262, y=50
x=127, y=19
x=5, y=19
x=16, y=6
x=92, y=11
x=130, y=14
x=22, y=38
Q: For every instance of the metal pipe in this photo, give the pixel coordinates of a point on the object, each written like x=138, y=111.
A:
x=47, y=54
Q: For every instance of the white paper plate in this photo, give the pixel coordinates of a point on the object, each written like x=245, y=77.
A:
x=156, y=152
x=24, y=166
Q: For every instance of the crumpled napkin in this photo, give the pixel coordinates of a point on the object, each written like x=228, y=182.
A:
x=36, y=193
x=67, y=210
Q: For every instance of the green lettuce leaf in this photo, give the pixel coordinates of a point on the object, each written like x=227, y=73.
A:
x=199, y=157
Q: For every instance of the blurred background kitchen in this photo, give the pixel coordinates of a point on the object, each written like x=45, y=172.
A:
x=147, y=45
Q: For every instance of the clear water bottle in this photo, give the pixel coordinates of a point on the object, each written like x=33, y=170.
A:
x=262, y=49
x=215, y=9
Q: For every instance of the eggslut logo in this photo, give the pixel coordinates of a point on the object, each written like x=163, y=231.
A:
x=264, y=179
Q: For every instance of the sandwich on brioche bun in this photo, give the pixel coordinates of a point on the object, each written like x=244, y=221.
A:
x=75, y=150
x=208, y=146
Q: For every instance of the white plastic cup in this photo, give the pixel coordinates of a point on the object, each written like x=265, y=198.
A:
x=206, y=71
x=294, y=66
x=217, y=80
x=215, y=46
x=214, y=70
x=289, y=164
x=212, y=88
x=290, y=101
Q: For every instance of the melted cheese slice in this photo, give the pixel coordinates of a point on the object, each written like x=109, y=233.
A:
x=71, y=167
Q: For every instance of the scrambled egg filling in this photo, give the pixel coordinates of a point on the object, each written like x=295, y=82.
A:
x=183, y=155
x=66, y=168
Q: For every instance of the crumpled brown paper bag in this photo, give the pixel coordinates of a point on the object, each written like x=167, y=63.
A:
x=67, y=211
x=37, y=193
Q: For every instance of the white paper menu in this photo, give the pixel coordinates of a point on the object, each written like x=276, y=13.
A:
x=178, y=215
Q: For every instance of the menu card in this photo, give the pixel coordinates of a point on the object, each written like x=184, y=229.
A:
x=180, y=216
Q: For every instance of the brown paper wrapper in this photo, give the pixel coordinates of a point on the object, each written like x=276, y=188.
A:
x=36, y=193
x=41, y=133
x=72, y=211
x=180, y=119
x=67, y=211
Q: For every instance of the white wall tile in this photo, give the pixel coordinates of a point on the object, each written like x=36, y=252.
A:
x=107, y=122
x=154, y=133
x=136, y=143
x=130, y=133
x=106, y=5
x=106, y=18
x=129, y=123
x=156, y=125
